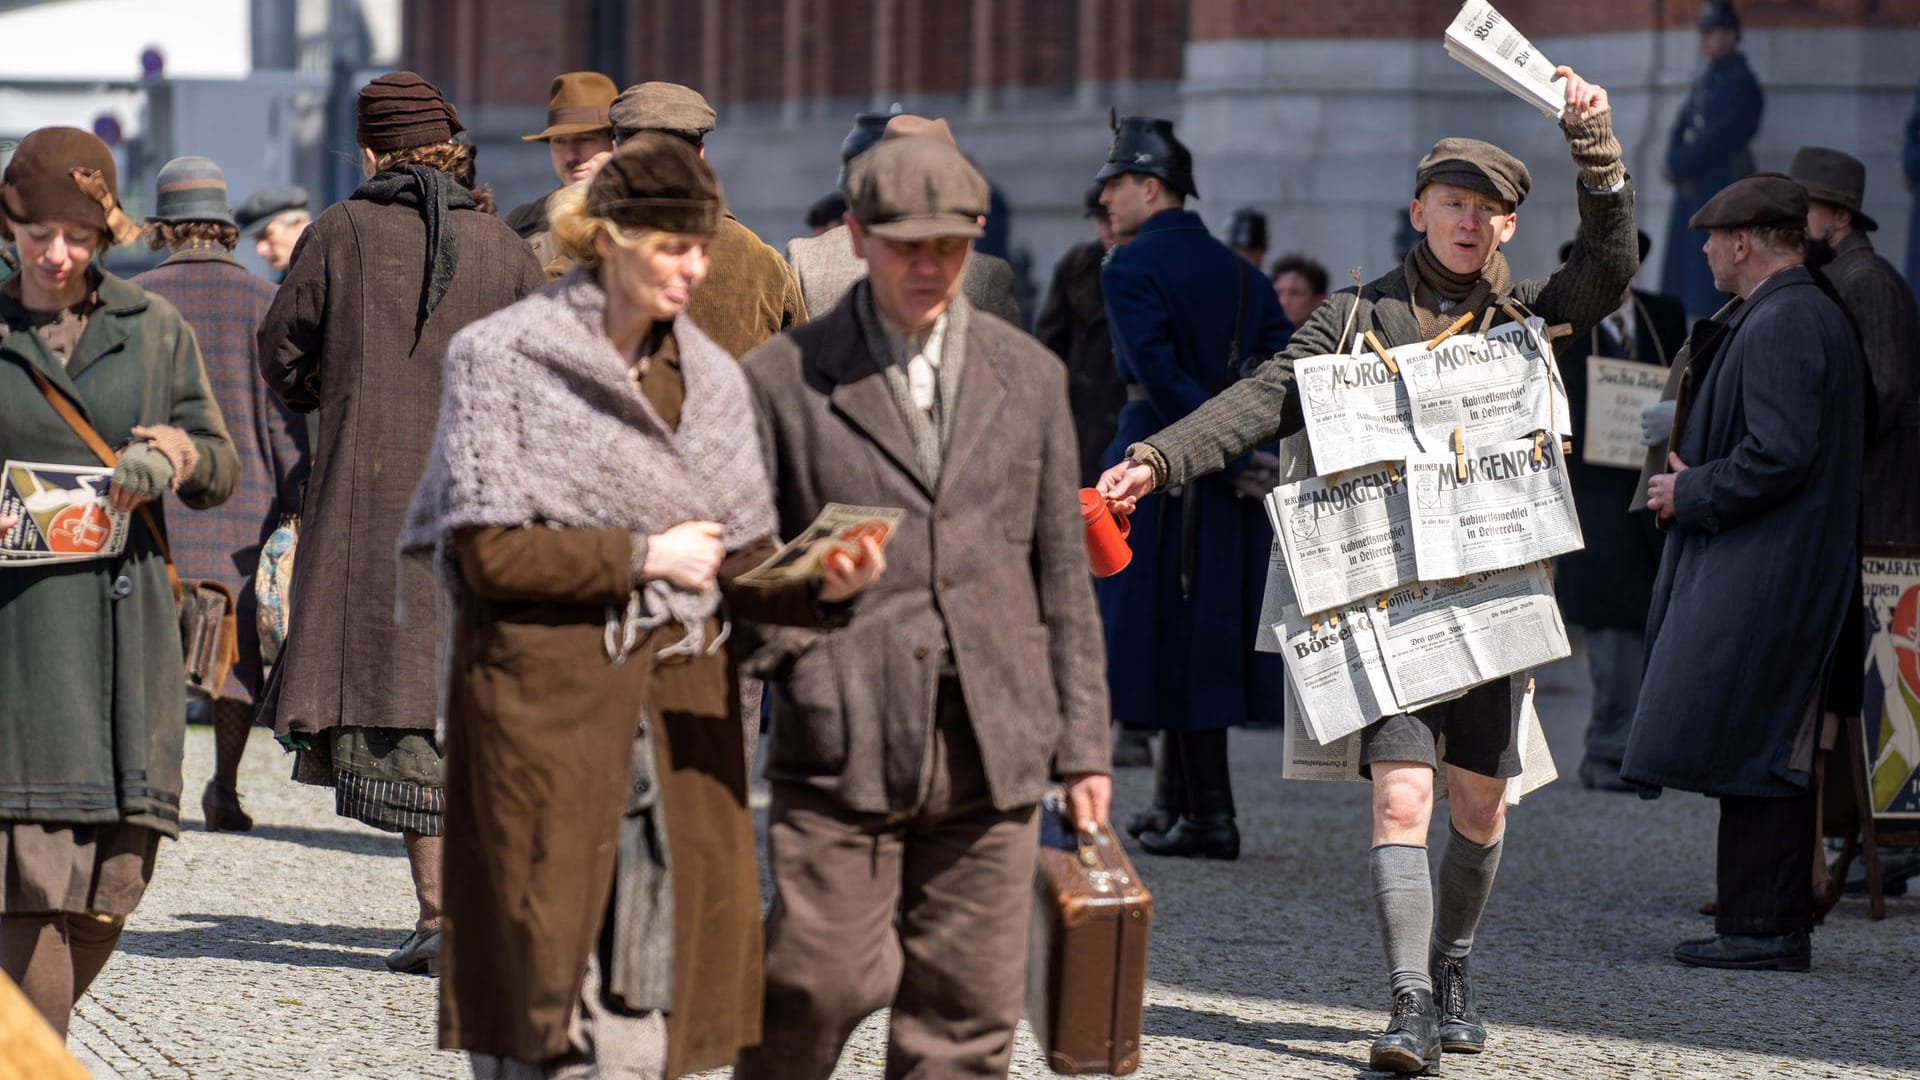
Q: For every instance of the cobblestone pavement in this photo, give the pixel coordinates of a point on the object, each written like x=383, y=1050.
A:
x=259, y=955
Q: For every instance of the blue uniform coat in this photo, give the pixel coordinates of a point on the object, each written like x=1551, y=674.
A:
x=1707, y=150
x=1910, y=164
x=1184, y=658
x=1758, y=570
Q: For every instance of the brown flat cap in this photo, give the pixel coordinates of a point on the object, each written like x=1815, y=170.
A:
x=657, y=181
x=65, y=174
x=661, y=106
x=576, y=104
x=400, y=110
x=909, y=126
x=1758, y=200
x=1476, y=166
x=1834, y=178
x=916, y=189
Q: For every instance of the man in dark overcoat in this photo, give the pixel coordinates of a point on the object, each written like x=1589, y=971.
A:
x=1466, y=193
x=909, y=749
x=579, y=136
x=1073, y=323
x=1707, y=149
x=1910, y=165
x=1186, y=313
x=1605, y=587
x=1761, y=498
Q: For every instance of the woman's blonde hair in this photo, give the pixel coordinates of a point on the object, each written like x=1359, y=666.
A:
x=575, y=230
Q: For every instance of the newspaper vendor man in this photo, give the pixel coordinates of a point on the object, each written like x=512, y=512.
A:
x=1466, y=194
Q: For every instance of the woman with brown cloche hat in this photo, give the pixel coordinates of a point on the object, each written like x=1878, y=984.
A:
x=595, y=490
x=92, y=698
x=378, y=286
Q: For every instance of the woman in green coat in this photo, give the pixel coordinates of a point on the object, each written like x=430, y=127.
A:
x=92, y=714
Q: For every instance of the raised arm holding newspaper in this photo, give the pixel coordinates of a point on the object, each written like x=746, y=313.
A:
x=1466, y=193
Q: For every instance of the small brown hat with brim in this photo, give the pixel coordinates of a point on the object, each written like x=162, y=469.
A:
x=1757, y=201
x=661, y=106
x=400, y=110
x=65, y=174
x=657, y=181
x=1476, y=166
x=1834, y=178
x=577, y=103
x=916, y=188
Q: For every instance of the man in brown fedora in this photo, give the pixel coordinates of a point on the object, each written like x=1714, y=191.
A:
x=579, y=136
x=749, y=295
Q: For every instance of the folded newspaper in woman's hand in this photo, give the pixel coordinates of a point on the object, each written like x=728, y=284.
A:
x=839, y=528
x=1485, y=41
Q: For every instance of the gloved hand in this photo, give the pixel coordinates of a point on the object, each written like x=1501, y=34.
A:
x=143, y=472
x=1656, y=423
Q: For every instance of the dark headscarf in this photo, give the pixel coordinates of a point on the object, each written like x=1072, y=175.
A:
x=433, y=193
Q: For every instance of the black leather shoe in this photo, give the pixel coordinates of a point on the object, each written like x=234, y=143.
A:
x=1461, y=1031
x=1154, y=819
x=1196, y=838
x=1597, y=775
x=1412, y=1040
x=418, y=955
x=1773, y=952
x=1132, y=749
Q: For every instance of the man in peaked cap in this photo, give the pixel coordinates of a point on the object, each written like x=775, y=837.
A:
x=1760, y=496
x=274, y=217
x=909, y=751
x=1466, y=195
x=579, y=136
x=1707, y=149
x=826, y=265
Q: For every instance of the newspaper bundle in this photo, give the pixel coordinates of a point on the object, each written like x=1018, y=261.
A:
x=1345, y=536
x=1482, y=39
x=1617, y=392
x=63, y=514
x=1488, y=388
x=1335, y=671
x=1513, y=505
x=839, y=527
x=1440, y=638
x=1357, y=410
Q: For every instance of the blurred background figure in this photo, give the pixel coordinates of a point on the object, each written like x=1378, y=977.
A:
x=225, y=304
x=826, y=212
x=274, y=217
x=1707, y=149
x=1247, y=235
x=1300, y=283
x=579, y=136
x=1073, y=323
x=1910, y=164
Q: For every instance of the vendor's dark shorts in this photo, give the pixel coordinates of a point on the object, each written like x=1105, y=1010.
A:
x=1479, y=728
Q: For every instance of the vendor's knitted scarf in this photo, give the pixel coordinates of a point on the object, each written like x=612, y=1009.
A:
x=540, y=425
x=1431, y=286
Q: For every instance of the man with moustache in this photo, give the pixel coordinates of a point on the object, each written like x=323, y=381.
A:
x=1466, y=194
x=579, y=136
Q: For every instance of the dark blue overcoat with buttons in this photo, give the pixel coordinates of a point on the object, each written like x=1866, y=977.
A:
x=1180, y=653
x=1758, y=570
x=1707, y=149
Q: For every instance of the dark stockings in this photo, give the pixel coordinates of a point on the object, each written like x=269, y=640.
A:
x=54, y=958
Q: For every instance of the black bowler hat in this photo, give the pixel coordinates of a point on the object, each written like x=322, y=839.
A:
x=1718, y=15
x=1835, y=178
x=1145, y=144
x=1247, y=229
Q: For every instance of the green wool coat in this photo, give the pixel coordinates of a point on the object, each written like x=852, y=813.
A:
x=92, y=699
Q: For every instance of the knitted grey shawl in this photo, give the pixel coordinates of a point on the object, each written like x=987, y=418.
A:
x=540, y=425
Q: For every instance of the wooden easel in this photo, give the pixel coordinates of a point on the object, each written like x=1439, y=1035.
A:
x=1863, y=835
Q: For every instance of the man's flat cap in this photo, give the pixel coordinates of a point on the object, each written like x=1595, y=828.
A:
x=1835, y=178
x=909, y=126
x=1476, y=166
x=268, y=203
x=1754, y=202
x=661, y=106
x=916, y=189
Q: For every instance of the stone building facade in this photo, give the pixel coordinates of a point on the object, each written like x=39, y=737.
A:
x=1312, y=110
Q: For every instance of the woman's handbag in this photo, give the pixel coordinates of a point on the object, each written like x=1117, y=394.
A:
x=273, y=587
x=209, y=630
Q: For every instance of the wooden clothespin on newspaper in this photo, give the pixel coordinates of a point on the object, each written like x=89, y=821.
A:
x=1459, y=324
x=1539, y=442
x=1380, y=351
x=1459, y=456
x=1382, y=602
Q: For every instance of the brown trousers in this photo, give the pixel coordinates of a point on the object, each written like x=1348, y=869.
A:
x=925, y=911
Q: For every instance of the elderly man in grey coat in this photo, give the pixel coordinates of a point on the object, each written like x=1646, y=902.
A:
x=909, y=750
x=1762, y=494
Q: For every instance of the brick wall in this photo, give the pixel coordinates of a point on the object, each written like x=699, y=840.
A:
x=1222, y=20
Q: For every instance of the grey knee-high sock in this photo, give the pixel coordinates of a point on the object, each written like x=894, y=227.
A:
x=1465, y=880
x=1403, y=899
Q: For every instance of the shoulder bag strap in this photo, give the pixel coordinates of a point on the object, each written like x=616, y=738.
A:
x=106, y=455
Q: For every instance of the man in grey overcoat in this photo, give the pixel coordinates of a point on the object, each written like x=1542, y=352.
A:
x=909, y=749
x=1761, y=494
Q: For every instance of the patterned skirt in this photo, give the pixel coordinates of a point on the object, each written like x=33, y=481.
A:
x=393, y=779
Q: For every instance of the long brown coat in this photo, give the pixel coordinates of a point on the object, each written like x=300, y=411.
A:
x=540, y=727
x=340, y=338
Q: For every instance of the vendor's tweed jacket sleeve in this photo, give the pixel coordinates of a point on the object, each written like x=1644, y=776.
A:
x=1255, y=410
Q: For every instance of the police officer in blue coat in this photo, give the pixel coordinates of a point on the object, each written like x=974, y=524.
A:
x=1187, y=315
x=1707, y=150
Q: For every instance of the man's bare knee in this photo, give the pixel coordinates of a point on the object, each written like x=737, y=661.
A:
x=1402, y=802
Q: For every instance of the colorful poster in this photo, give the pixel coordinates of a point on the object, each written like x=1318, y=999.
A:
x=1891, y=702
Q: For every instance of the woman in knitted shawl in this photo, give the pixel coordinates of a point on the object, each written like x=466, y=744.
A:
x=595, y=486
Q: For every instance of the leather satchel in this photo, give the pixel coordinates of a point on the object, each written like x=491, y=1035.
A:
x=209, y=628
x=1087, y=949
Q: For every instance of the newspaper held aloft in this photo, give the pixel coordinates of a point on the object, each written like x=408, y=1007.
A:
x=1537, y=769
x=63, y=514
x=839, y=527
x=1357, y=410
x=1489, y=387
x=1482, y=39
x=1345, y=535
x=1441, y=637
x=1514, y=506
x=1617, y=392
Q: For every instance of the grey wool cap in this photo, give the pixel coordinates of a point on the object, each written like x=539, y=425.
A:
x=1477, y=166
x=191, y=189
x=661, y=106
x=916, y=188
x=268, y=203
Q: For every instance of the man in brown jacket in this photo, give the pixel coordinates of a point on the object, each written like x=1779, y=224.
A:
x=749, y=295
x=910, y=748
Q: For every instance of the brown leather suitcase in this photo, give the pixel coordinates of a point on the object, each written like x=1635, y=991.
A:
x=1087, y=950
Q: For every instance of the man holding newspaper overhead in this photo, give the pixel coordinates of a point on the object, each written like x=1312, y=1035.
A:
x=1466, y=193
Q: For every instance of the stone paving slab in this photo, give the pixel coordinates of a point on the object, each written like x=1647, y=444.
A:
x=259, y=955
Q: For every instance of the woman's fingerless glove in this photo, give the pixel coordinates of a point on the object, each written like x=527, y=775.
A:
x=1595, y=150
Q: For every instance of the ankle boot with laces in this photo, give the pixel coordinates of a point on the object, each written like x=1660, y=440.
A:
x=1411, y=1043
x=1461, y=1031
